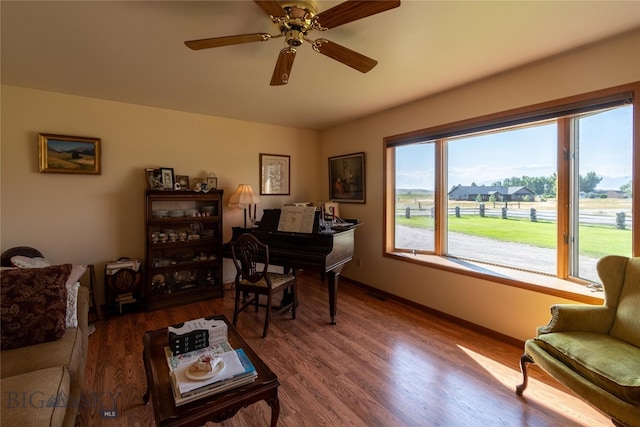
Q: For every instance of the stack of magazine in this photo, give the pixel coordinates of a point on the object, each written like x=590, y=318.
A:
x=232, y=369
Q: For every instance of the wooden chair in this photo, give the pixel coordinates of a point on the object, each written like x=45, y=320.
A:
x=248, y=252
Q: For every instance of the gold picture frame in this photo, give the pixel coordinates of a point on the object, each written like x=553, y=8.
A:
x=69, y=154
x=347, y=178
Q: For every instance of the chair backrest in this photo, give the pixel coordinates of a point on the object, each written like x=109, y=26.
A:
x=626, y=325
x=248, y=252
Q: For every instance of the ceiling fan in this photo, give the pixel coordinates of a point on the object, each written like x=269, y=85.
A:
x=296, y=19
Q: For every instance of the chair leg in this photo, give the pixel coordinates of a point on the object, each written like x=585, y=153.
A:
x=294, y=289
x=525, y=378
x=236, y=307
x=267, y=316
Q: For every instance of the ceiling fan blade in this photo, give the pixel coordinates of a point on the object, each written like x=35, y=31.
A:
x=347, y=56
x=228, y=40
x=283, y=67
x=271, y=8
x=352, y=10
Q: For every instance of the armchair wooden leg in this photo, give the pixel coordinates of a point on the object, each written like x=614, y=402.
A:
x=618, y=423
x=523, y=367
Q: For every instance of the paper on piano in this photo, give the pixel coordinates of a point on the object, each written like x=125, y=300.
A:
x=297, y=219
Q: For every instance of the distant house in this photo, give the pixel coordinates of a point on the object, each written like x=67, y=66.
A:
x=615, y=194
x=502, y=193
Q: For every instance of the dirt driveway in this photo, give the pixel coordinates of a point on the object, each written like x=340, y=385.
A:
x=483, y=249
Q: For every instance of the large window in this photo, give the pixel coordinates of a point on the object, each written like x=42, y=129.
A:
x=414, y=197
x=601, y=183
x=546, y=189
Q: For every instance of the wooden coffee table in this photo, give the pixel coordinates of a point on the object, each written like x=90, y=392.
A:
x=217, y=407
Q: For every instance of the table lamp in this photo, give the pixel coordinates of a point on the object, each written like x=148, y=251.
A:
x=244, y=197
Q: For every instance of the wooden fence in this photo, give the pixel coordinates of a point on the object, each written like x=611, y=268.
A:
x=618, y=220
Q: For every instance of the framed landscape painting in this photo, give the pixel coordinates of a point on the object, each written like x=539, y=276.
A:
x=346, y=178
x=69, y=154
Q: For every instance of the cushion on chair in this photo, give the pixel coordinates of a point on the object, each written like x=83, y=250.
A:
x=608, y=362
x=277, y=280
x=626, y=325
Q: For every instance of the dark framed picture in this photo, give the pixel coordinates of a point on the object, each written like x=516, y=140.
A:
x=154, y=178
x=347, y=178
x=275, y=174
x=167, y=178
x=182, y=182
x=69, y=154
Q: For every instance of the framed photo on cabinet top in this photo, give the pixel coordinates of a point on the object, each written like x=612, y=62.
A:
x=167, y=178
x=182, y=182
x=154, y=178
x=69, y=154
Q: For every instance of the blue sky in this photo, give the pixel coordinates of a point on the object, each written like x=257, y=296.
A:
x=68, y=145
x=605, y=148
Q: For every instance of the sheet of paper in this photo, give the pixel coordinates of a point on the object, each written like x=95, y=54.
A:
x=297, y=219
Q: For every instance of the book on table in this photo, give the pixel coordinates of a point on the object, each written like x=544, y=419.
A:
x=196, y=334
x=233, y=369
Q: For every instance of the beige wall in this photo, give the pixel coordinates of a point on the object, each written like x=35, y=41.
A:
x=511, y=311
x=91, y=219
x=96, y=218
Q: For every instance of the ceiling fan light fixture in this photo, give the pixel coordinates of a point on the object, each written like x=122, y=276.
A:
x=295, y=19
x=298, y=12
x=294, y=37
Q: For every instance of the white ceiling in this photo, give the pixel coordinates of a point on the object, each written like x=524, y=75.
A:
x=133, y=51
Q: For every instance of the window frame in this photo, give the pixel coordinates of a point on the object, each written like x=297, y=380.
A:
x=562, y=284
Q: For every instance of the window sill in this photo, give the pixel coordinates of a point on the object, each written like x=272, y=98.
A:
x=521, y=279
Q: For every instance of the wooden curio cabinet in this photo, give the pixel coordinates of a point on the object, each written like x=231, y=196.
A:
x=183, y=245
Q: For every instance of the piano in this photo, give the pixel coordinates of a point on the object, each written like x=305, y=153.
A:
x=325, y=253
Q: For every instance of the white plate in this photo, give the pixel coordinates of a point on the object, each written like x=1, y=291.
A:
x=201, y=377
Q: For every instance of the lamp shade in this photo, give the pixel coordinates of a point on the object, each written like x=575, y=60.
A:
x=243, y=197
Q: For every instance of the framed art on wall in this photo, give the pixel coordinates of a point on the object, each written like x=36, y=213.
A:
x=274, y=174
x=69, y=154
x=347, y=178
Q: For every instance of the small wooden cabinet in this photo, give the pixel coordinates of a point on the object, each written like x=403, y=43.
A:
x=183, y=261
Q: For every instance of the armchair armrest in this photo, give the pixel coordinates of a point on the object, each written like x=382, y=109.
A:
x=574, y=317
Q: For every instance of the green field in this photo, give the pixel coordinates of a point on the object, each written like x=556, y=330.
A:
x=594, y=241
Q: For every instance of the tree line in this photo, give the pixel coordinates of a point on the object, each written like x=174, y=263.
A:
x=547, y=185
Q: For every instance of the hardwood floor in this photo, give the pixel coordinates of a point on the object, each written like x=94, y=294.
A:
x=383, y=364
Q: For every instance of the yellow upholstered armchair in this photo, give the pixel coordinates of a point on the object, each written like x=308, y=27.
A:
x=595, y=350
